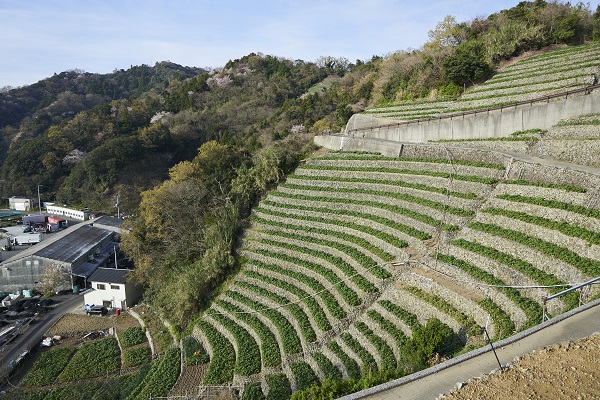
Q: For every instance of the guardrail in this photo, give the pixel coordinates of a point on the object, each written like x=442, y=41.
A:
x=585, y=90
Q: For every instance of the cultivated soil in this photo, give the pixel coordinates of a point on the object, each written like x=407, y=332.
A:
x=570, y=370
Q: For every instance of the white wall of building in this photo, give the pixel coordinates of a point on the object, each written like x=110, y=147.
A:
x=115, y=295
x=67, y=212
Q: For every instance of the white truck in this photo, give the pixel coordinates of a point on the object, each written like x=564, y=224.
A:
x=29, y=238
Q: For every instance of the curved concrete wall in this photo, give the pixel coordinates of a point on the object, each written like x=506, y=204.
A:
x=484, y=124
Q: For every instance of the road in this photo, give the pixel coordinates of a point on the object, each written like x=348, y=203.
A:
x=577, y=326
x=33, y=335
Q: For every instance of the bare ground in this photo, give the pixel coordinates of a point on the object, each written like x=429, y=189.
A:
x=569, y=370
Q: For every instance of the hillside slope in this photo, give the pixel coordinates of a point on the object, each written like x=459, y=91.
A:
x=357, y=252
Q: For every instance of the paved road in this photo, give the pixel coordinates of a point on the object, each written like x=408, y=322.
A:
x=577, y=326
x=33, y=335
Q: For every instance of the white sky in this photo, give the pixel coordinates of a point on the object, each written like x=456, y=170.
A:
x=43, y=37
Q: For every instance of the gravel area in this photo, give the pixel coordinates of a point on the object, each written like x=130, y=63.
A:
x=568, y=370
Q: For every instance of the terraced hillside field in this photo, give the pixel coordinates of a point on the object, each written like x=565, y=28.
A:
x=532, y=77
x=355, y=256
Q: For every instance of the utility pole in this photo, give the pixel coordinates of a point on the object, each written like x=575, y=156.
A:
x=117, y=205
x=39, y=200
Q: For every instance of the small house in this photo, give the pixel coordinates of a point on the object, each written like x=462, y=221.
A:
x=22, y=203
x=111, y=289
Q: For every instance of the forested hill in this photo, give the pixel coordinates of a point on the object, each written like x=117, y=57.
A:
x=88, y=137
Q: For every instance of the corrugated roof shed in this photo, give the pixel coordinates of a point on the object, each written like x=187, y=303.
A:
x=109, y=275
x=75, y=245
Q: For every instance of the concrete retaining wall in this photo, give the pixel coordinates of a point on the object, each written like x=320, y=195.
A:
x=486, y=124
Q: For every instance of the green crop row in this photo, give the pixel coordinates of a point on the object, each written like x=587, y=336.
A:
x=402, y=184
x=253, y=391
x=541, y=277
x=136, y=356
x=560, y=85
x=409, y=318
x=409, y=198
x=365, y=244
x=269, y=349
x=367, y=359
x=93, y=359
x=347, y=293
x=563, y=186
x=287, y=333
x=248, y=361
x=516, y=84
x=48, y=366
x=159, y=381
x=532, y=310
x=588, y=212
x=388, y=360
x=351, y=366
x=492, y=139
x=304, y=375
x=394, y=241
x=279, y=387
x=132, y=336
x=469, y=163
x=502, y=322
x=222, y=363
x=318, y=315
x=563, y=227
x=336, y=261
x=365, y=261
x=329, y=300
x=406, y=229
x=395, y=182
x=557, y=55
x=327, y=367
x=395, y=332
x=370, y=203
x=542, y=72
x=466, y=321
x=193, y=351
x=586, y=265
x=298, y=313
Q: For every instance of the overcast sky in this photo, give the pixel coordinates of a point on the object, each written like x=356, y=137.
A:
x=43, y=37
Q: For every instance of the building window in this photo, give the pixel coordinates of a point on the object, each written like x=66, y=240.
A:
x=114, y=287
x=101, y=286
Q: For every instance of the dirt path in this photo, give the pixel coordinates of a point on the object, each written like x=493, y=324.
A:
x=570, y=370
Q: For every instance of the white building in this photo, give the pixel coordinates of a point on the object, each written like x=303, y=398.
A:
x=22, y=203
x=111, y=289
x=53, y=209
